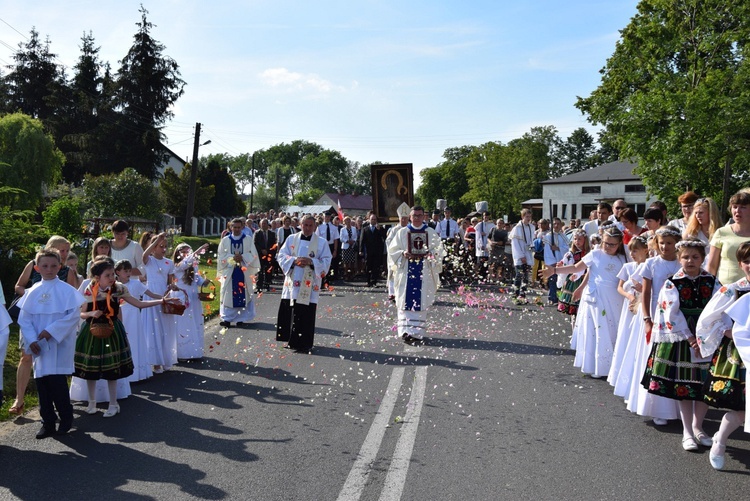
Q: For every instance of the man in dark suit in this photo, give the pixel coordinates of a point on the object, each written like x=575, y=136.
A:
x=372, y=247
x=265, y=243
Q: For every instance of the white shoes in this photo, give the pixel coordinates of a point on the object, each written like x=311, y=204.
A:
x=689, y=444
x=91, y=409
x=660, y=421
x=112, y=410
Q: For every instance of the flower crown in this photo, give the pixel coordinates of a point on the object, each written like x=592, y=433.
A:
x=669, y=231
x=690, y=242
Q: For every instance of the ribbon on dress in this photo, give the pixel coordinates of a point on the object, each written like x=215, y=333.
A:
x=308, y=275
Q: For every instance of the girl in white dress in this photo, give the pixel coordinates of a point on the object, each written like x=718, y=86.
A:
x=599, y=310
x=132, y=319
x=630, y=288
x=654, y=272
x=189, y=325
x=159, y=328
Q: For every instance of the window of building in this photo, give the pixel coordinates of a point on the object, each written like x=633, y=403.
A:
x=635, y=188
x=586, y=211
x=591, y=189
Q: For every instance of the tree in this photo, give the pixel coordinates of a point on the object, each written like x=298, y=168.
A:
x=241, y=169
x=148, y=84
x=33, y=79
x=28, y=159
x=225, y=201
x=578, y=152
x=448, y=181
x=675, y=97
x=126, y=194
x=18, y=237
x=174, y=190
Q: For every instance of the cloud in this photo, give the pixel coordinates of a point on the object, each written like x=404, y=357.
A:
x=292, y=81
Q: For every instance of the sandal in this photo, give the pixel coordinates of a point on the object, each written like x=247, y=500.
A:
x=17, y=409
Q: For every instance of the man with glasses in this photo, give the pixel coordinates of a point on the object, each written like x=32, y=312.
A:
x=618, y=207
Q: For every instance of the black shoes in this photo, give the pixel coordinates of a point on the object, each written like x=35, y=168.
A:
x=45, y=432
x=224, y=324
x=413, y=341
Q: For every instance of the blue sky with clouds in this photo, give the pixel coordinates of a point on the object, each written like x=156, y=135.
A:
x=395, y=81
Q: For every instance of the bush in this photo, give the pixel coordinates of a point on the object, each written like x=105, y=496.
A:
x=63, y=217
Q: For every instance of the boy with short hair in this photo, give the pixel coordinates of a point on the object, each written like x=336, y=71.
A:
x=48, y=319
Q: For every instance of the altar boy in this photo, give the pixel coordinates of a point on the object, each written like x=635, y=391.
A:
x=48, y=319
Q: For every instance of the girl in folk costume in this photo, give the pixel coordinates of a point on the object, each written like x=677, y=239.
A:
x=675, y=369
x=161, y=338
x=723, y=332
x=190, y=323
x=238, y=263
x=630, y=287
x=79, y=390
x=101, y=247
x=417, y=253
x=102, y=350
x=599, y=311
x=132, y=319
x=654, y=273
x=571, y=282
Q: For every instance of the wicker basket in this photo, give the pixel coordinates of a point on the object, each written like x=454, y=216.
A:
x=175, y=308
x=102, y=330
x=206, y=296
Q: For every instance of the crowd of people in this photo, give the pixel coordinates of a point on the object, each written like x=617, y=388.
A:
x=658, y=309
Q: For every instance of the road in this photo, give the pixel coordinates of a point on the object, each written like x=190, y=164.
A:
x=492, y=409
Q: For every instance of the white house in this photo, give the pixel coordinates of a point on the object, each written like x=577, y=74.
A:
x=576, y=195
x=174, y=161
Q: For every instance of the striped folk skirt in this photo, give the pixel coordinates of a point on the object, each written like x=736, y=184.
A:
x=97, y=358
x=725, y=386
x=671, y=372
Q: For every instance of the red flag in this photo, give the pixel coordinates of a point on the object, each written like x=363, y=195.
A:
x=341, y=212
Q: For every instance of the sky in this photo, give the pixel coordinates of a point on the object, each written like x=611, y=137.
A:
x=394, y=81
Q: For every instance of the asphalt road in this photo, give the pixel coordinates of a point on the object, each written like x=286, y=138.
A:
x=492, y=409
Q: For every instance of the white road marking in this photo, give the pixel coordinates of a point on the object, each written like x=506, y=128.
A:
x=396, y=477
x=355, y=482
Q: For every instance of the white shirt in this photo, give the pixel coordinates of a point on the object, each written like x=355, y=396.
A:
x=321, y=231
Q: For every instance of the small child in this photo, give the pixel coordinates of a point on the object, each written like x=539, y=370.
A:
x=160, y=330
x=48, y=321
x=675, y=369
x=132, y=320
x=578, y=248
x=72, y=263
x=595, y=330
x=190, y=323
x=718, y=326
x=630, y=288
x=654, y=273
x=101, y=247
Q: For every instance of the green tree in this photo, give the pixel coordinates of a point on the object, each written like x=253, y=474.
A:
x=577, y=153
x=448, y=181
x=148, y=85
x=33, y=79
x=264, y=199
x=18, y=237
x=226, y=201
x=63, y=217
x=674, y=96
x=122, y=195
x=174, y=190
x=28, y=158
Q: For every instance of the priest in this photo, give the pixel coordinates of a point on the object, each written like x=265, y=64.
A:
x=304, y=259
x=416, y=252
x=238, y=264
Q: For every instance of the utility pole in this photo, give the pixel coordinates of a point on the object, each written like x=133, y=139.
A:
x=188, y=226
x=252, y=181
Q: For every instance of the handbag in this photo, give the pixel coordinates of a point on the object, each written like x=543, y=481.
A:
x=13, y=309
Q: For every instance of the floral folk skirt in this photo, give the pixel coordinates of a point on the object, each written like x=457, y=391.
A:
x=97, y=358
x=566, y=303
x=725, y=386
x=671, y=373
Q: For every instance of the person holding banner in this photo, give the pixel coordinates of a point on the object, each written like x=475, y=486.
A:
x=304, y=259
